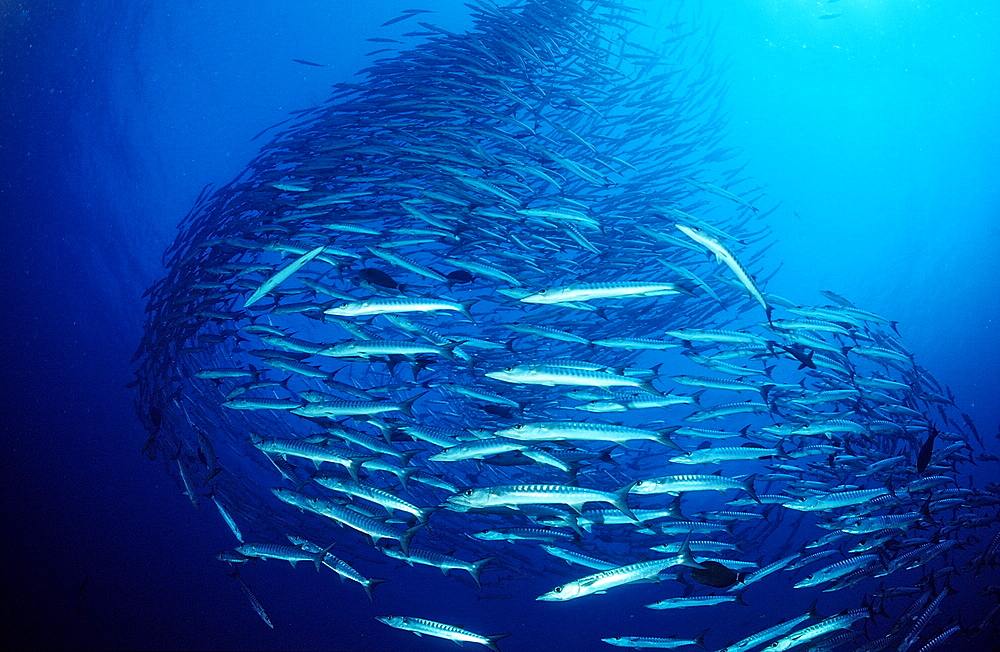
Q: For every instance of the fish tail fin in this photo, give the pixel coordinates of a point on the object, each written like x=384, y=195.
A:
x=448, y=350
x=621, y=501
x=354, y=465
x=477, y=568
x=749, y=488
x=321, y=556
x=699, y=640
x=492, y=641
x=685, y=287
x=467, y=309
x=739, y=598
x=425, y=513
x=663, y=436
x=370, y=585
x=406, y=407
x=696, y=397
x=647, y=386
x=404, y=539
x=684, y=556
x=406, y=473
x=406, y=456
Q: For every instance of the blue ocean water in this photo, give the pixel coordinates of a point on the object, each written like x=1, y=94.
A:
x=875, y=130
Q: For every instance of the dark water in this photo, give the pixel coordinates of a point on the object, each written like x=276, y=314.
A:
x=876, y=129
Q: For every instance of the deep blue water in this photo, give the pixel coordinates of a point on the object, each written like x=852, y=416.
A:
x=877, y=130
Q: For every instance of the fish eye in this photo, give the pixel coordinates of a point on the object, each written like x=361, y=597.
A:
x=467, y=492
x=558, y=589
x=518, y=426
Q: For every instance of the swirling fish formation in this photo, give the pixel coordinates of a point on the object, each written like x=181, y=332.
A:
x=509, y=287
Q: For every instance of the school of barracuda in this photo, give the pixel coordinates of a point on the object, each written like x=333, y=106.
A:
x=511, y=284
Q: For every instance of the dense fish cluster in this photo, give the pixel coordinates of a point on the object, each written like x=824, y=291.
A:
x=499, y=309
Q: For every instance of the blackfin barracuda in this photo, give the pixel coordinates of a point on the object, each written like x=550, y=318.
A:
x=513, y=496
x=659, y=643
x=561, y=430
x=679, y=484
x=424, y=627
x=373, y=528
x=396, y=305
x=281, y=275
x=600, y=582
x=551, y=376
x=591, y=291
x=726, y=257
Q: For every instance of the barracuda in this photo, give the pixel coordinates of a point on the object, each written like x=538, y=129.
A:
x=678, y=484
x=438, y=560
x=547, y=331
x=635, y=344
x=640, y=403
x=371, y=493
x=716, y=455
x=716, y=383
x=770, y=633
x=716, y=336
x=729, y=409
x=408, y=264
x=513, y=496
x=661, y=643
x=371, y=348
x=281, y=275
x=578, y=558
x=375, y=529
x=330, y=409
x=339, y=566
x=696, y=601
x=483, y=269
x=396, y=305
x=836, y=499
x=836, y=570
x=422, y=626
x=523, y=534
x=480, y=394
x=291, y=554
x=724, y=256
x=247, y=403
x=317, y=454
x=600, y=582
x=527, y=374
x=562, y=430
x=825, y=626
x=591, y=291
x=476, y=450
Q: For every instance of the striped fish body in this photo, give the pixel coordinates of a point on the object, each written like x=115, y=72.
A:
x=836, y=499
x=591, y=291
x=424, y=627
x=678, y=484
x=602, y=581
x=538, y=494
x=562, y=430
x=394, y=305
x=552, y=376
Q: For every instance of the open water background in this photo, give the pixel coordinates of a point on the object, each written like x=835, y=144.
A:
x=878, y=130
